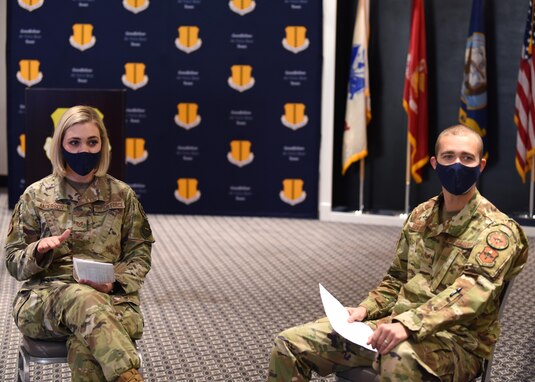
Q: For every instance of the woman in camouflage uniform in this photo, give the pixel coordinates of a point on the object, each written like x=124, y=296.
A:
x=80, y=211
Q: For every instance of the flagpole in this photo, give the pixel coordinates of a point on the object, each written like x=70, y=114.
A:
x=407, y=176
x=531, y=187
x=361, y=186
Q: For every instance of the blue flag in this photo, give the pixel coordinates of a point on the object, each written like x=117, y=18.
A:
x=473, y=110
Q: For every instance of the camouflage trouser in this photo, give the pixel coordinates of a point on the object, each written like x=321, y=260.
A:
x=316, y=347
x=99, y=332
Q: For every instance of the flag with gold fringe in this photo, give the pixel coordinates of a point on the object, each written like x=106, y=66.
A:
x=358, y=109
x=524, y=105
x=473, y=110
x=415, y=92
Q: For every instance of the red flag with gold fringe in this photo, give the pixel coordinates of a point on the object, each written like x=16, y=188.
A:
x=415, y=92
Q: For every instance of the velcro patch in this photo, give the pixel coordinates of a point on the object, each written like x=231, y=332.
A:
x=53, y=206
x=145, y=229
x=487, y=257
x=498, y=240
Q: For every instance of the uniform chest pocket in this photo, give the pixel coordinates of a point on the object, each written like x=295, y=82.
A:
x=450, y=264
x=107, y=222
x=53, y=217
x=103, y=214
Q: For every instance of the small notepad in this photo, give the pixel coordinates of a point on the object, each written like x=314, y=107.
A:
x=95, y=271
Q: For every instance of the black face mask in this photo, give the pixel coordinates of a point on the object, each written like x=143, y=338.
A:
x=81, y=163
x=457, y=178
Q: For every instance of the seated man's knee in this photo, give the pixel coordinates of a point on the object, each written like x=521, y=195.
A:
x=283, y=339
x=288, y=342
x=401, y=364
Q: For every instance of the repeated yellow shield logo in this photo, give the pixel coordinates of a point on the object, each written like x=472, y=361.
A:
x=31, y=5
x=188, y=39
x=136, y=6
x=295, y=40
x=29, y=73
x=292, y=191
x=134, y=75
x=47, y=147
x=21, y=148
x=135, y=151
x=294, y=116
x=242, y=7
x=188, y=116
x=187, y=191
x=82, y=37
x=57, y=114
x=240, y=153
x=241, y=78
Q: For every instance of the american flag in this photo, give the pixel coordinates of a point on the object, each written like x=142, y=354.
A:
x=524, y=103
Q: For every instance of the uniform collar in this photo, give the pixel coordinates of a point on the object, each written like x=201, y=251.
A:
x=98, y=190
x=458, y=223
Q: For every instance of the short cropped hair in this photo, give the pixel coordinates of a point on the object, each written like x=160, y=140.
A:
x=74, y=115
x=460, y=130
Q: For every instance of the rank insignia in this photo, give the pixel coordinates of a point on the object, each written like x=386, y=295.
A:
x=487, y=257
x=497, y=240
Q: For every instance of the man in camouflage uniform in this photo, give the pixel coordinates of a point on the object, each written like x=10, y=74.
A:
x=57, y=219
x=435, y=313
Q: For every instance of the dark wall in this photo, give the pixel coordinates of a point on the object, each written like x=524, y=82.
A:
x=447, y=28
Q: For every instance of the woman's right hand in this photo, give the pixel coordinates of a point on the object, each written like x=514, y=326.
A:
x=48, y=243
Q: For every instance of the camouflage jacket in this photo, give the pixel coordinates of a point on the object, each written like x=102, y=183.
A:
x=107, y=224
x=446, y=278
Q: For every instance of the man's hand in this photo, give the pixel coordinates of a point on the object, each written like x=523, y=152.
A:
x=357, y=314
x=48, y=243
x=104, y=288
x=388, y=336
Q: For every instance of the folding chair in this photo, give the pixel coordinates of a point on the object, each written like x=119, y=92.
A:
x=44, y=352
x=367, y=374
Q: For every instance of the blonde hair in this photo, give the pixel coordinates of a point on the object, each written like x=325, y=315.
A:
x=460, y=130
x=74, y=115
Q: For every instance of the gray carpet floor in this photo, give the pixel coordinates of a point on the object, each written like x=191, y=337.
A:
x=221, y=288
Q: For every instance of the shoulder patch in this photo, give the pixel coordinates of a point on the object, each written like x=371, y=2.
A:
x=498, y=240
x=145, y=229
x=487, y=257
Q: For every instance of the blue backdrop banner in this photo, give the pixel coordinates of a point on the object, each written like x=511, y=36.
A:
x=223, y=97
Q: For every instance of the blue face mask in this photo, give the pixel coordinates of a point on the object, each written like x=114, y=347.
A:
x=457, y=178
x=81, y=163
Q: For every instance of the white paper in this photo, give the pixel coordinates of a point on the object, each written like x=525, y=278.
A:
x=356, y=332
x=100, y=273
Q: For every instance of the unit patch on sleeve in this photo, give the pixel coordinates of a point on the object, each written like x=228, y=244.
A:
x=145, y=229
x=498, y=240
x=487, y=257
